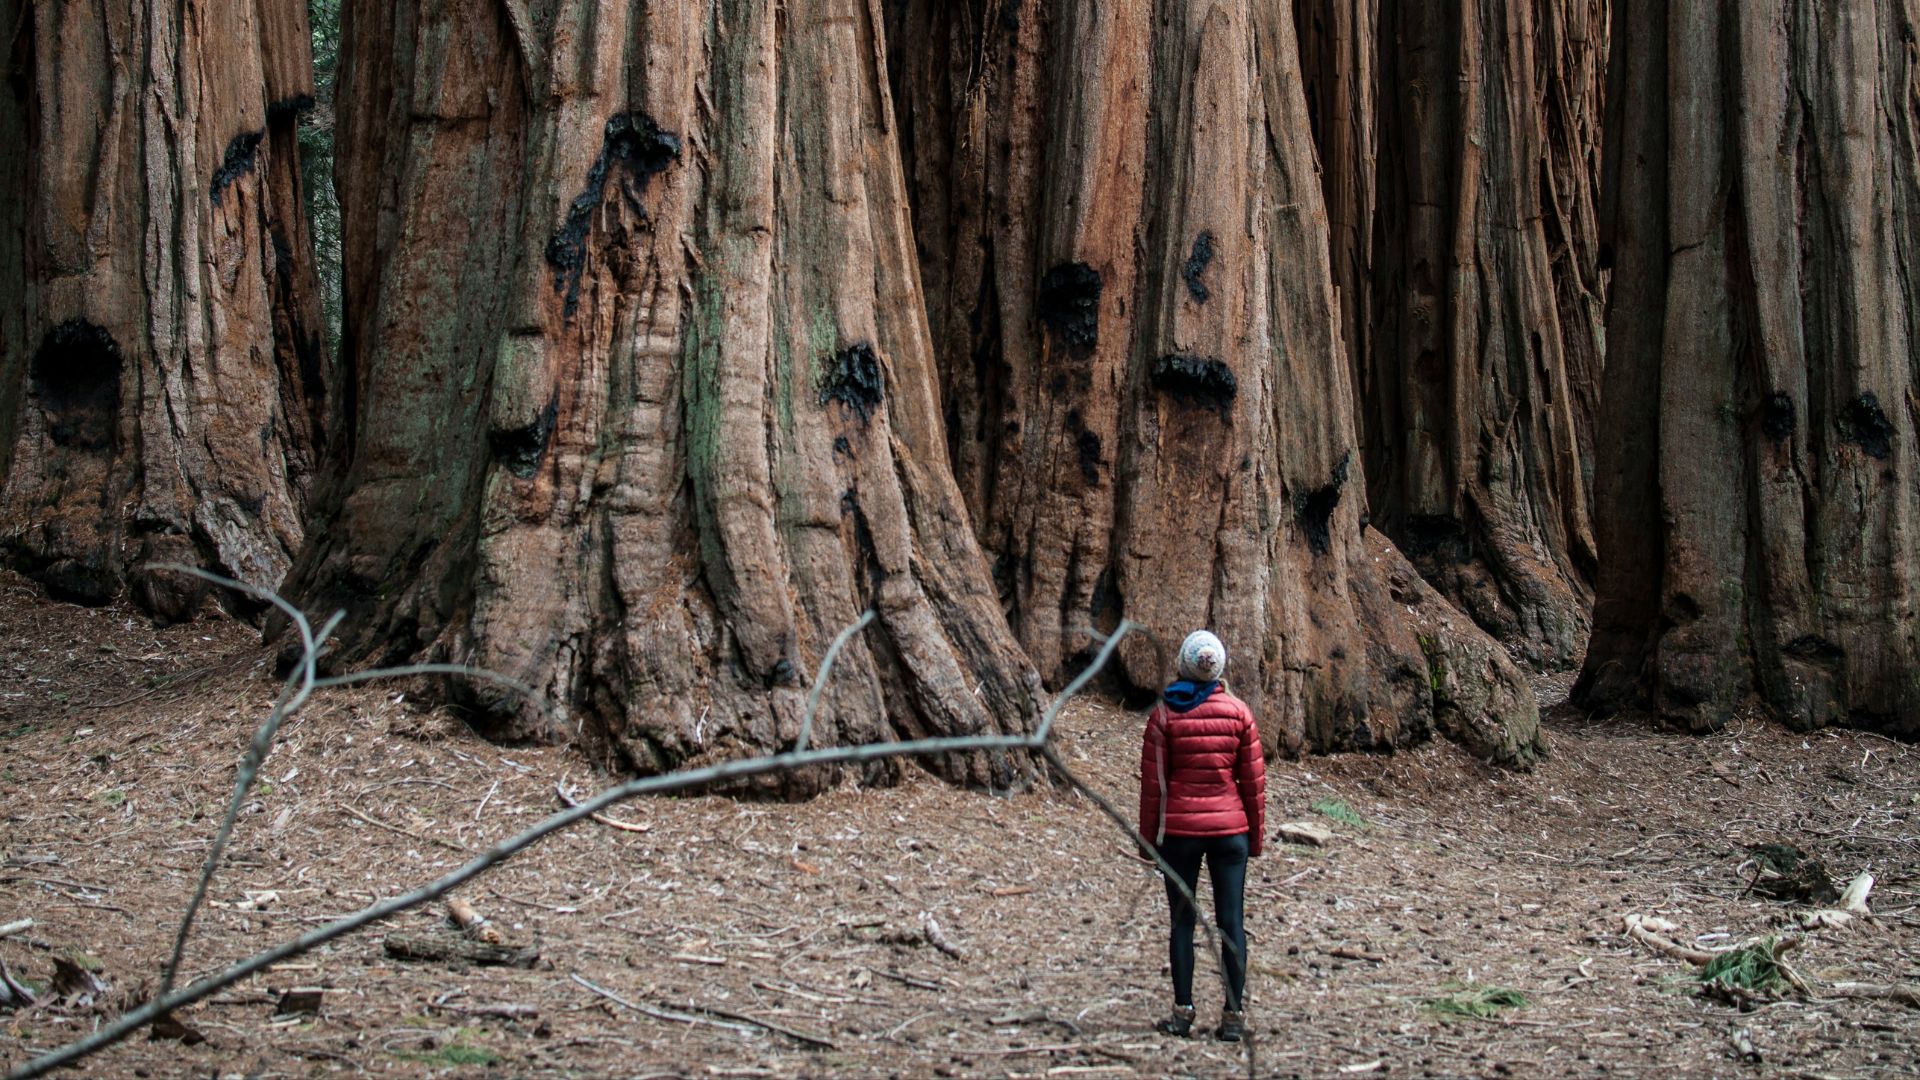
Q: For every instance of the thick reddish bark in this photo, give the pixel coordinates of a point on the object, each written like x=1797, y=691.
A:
x=1460, y=154
x=1126, y=256
x=161, y=377
x=1757, y=490
x=644, y=409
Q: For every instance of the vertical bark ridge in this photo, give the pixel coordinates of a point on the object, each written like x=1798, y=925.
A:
x=164, y=382
x=1474, y=308
x=695, y=468
x=1764, y=207
x=1169, y=283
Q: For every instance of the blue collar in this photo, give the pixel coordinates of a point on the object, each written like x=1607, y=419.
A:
x=1185, y=695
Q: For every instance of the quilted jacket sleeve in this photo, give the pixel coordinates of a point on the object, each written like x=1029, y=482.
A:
x=1152, y=756
x=1250, y=775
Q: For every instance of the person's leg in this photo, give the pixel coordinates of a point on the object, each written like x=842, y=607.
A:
x=1183, y=854
x=1227, y=869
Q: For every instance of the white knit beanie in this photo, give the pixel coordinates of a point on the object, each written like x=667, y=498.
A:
x=1202, y=657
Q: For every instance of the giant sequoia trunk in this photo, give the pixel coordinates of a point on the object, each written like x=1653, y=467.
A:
x=161, y=377
x=1148, y=402
x=1460, y=146
x=643, y=407
x=1758, y=498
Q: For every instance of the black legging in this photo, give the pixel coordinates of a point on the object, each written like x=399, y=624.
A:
x=1226, y=858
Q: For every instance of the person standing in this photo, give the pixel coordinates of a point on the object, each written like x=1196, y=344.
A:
x=1203, y=798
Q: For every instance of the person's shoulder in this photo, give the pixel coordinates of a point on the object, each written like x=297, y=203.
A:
x=1228, y=700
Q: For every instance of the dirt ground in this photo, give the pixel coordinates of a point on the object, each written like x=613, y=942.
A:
x=726, y=922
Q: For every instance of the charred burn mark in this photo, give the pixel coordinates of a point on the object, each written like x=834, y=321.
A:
x=1196, y=265
x=1814, y=649
x=1200, y=381
x=1682, y=609
x=841, y=447
x=1863, y=424
x=520, y=449
x=1313, y=510
x=1069, y=306
x=76, y=379
x=288, y=108
x=854, y=380
x=1435, y=536
x=1089, y=446
x=242, y=152
x=783, y=674
x=634, y=142
x=1776, y=417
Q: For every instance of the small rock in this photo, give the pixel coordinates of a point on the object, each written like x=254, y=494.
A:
x=1306, y=833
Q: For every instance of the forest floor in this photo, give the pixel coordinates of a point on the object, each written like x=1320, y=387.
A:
x=117, y=747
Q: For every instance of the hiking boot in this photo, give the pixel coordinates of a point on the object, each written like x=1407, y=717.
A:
x=1232, y=1027
x=1179, y=1025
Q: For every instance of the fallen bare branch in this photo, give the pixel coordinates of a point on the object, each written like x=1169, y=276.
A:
x=18, y=926
x=166, y=1002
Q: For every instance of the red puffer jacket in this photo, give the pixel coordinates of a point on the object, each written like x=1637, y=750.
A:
x=1202, y=772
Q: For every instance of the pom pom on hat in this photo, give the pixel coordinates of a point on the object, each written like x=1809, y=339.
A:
x=1202, y=657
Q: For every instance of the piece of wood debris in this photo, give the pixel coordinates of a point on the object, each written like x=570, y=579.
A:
x=910, y=980
x=697, y=958
x=1647, y=930
x=18, y=926
x=1305, y=833
x=447, y=948
x=1012, y=890
x=1743, y=1045
x=1347, y=952
x=13, y=993
x=1854, y=900
x=169, y=1027
x=499, y=1010
x=1905, y=995
x=300, y=1001
x=938, y=939
x=471, y=923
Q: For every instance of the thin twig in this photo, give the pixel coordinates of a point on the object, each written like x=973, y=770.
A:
x=567, y=799
x=791, y=1033
x=290, y=698
x=820, y=677
x=408, y=833
x=658, y=1014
